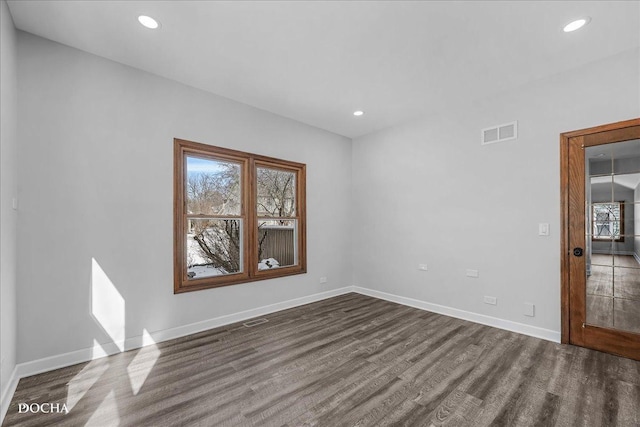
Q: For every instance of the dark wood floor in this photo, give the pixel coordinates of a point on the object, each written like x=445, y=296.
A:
x=349, y=360
x=613, y=292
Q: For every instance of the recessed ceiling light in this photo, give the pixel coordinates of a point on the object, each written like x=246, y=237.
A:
x=148, y=22
x=577, y=24
x=358, y=113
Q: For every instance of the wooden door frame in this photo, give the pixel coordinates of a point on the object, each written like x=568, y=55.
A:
x=565, y=306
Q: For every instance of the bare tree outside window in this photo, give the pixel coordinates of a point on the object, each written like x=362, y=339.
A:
x=276, y=193
x=218, y=246
x=214, y=190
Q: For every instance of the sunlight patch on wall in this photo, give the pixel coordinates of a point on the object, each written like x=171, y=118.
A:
x=143, y=363
x=107, y=305
x=84, y=380
x=107, y=413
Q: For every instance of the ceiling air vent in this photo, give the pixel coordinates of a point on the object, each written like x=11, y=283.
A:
x=500, y=133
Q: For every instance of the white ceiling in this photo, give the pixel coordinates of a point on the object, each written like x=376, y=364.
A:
x=318, y=61
x=630, y=180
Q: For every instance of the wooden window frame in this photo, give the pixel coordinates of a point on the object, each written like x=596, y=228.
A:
x=620, y=238
x=248, y=213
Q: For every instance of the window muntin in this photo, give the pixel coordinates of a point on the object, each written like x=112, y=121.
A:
x=238, y=217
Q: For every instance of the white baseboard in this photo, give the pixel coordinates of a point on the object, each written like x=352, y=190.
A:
x=601, y=252
x=7, y=393
x=508, y=325
x=105, y=349
x=637, y=257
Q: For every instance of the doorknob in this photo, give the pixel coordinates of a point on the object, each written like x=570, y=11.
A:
x=577, y=251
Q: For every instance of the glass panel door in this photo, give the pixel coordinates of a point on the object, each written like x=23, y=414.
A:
x=612, y=235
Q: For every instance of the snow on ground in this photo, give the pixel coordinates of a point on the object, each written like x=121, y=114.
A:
x=204, y=271
x=200, y=269
x=266, y=264
x=199, y=264
x=193, y=252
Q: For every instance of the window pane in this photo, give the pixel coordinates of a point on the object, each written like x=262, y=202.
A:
x=277, y=243
x=213, y=187
x=214, y=247
x=606, y=220
x=276, y=192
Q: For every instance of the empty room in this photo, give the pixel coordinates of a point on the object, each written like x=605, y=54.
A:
x=320, y=213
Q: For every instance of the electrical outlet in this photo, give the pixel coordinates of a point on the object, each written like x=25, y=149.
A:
x=490, y=300
x=422, y=267
x=473, y=273
x=529, y=309
x=323, y=280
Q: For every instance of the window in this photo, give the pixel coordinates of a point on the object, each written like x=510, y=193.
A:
x=608, y=221
x=238, y=217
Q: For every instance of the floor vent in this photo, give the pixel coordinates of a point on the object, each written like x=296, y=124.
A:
x=255, y=322
x=500, y=133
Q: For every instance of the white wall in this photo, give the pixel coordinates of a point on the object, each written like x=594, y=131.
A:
x=8, y=190
x=428, y=192
x=95, y=169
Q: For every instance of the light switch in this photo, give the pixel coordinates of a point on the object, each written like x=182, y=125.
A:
x=543, y=229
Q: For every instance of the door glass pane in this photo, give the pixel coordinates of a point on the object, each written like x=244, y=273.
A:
x=626, y=314
x=600, y=281
x=627, y=282
x=276, y=191
x=600, y=311
x=213, y=187
x=612, y=236
x=214, y=247
x=623, y=256
x=277, y=243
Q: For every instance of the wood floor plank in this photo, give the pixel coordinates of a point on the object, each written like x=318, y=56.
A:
x=351, y=360
x=457, y=406
x=447, y=377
